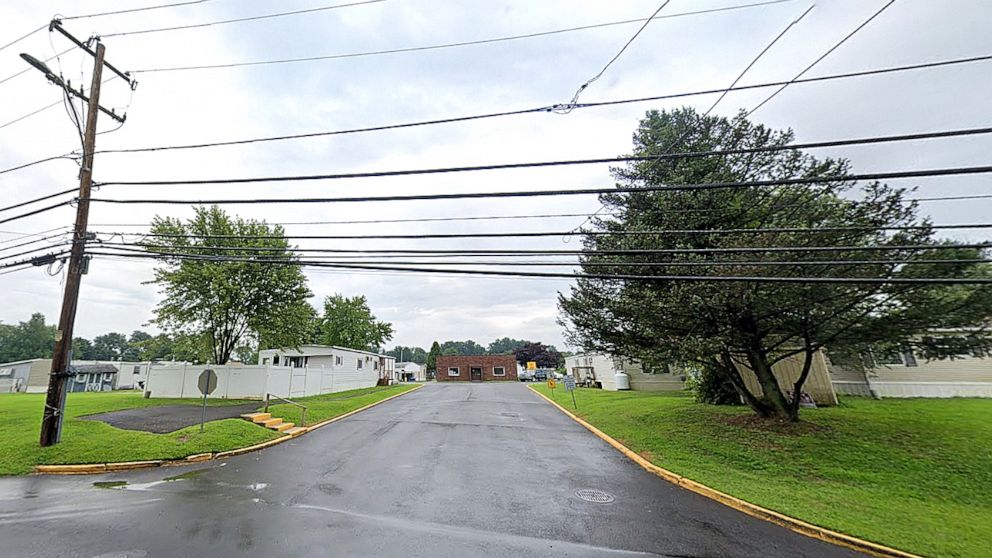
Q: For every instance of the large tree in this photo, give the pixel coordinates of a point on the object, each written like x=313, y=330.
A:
x=31, y=339
x=408, y=354
x=110, y=346
x=505, y=346
x=348, y=322
x=731, y=325
x=463, y=348
x=228, y=303
x=432, y=358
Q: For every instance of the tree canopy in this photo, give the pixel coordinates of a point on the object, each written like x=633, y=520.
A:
x=348, y=322
x=226, y=304
x=31, y=339
x=730, y=325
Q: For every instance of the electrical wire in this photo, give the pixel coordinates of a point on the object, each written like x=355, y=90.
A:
x=552, y=108
x=820, y=59
x=688, y=278
x=534, y=234
x=35, y=212
x=36, y=200
x=22, y=37
x=32, y=251
x=448, y=45
x=26, y=70
x=240, y=19
x=611, y=252
x=953, y=171
x=578, y=92
x=35, y=241
x=133, y=10
x=602, y=160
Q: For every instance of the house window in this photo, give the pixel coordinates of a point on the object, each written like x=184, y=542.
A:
x=453, y=371
x=137, y=370
x=360, y=363
x=265, y=361
x=275, y=360
x=338, y=361
x=499, y=371
x=375, y=365
x=107, y=376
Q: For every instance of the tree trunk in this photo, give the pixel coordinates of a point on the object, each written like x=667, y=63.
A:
x=733, y=375
x=773, y=395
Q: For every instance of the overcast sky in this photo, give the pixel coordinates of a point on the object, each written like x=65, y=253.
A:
x=672, y=55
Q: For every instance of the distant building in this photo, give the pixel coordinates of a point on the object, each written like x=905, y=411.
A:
x=600, y=370
x=32, y=375
x=410, y=372
x=476, y=368
x=92, y=377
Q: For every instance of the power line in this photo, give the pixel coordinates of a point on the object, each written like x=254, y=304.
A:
x=547, y=252
x=582, y=87
x=533, y=234
x=691, y=278
x=36, y=200
x=35, y=241
x=22, y=37
x=21, y=235
x=35, y=212
x=68, y=157
x=30, y=114
x=448, y=45
x=240, y=19
x=958, y=171
x=823, y=56
x=602, y=160
x=552, y=108
x=26, y=70
x=32, y=251
x=133, y=10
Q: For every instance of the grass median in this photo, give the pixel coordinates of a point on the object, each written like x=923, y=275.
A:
x=330, y=405
x=914, y=474
x=91, y=441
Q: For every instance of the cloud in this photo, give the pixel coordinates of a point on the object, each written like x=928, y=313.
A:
x=672, y=55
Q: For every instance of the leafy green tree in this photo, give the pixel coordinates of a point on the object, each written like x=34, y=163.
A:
x=348, y=322
x=408, y=354
x=505, y=346
x=432, y=358
x=220, y=304
x=27, y=340
x=110, y=346
x=82, y=349
x=729, y=325
x=463, y=348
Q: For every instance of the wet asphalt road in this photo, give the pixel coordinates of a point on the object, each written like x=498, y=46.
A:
x=454, y=470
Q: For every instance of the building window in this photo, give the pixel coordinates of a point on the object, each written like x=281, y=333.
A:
x=137, y=370
x=275, y=360
x=360, y=363
x=375, y=365
x=338, y=361
x=265, y=361
x=499, y=371
x=453, y=371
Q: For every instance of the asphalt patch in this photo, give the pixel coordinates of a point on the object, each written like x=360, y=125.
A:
x=169, y=418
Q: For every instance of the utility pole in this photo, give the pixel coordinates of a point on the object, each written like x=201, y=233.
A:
x=51, y=424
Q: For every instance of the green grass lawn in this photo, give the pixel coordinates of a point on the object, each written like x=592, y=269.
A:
x=914, y=474
x=323, y=407
x=86, y=441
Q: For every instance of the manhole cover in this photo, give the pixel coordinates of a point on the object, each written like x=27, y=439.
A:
x=594, y=496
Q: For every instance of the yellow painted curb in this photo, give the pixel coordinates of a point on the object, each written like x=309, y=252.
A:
x=753, y=510
x=96, y=468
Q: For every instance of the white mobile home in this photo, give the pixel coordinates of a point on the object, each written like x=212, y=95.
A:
x=601, y=369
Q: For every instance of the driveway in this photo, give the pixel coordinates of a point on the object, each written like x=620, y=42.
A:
x=169, y=418
x=452, y=470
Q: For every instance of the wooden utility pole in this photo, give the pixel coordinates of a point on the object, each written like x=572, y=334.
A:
x=51, y=424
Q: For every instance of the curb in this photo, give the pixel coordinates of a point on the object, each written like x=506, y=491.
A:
x=754, y=510
x=97, y=468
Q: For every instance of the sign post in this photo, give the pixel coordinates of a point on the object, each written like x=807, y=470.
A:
x=551, y=385
x=207, y=382
x=570, y=387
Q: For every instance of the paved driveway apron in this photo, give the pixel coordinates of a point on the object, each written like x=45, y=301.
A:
x=448, y=471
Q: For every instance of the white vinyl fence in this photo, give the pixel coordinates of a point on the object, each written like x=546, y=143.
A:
x=253, y=382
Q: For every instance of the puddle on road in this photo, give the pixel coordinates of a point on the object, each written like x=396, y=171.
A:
x=186, y=475
x=110, y=484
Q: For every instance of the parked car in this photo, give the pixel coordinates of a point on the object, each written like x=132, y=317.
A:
x=540, y=375
x=526, y=376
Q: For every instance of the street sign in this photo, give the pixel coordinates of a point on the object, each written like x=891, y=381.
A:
x=569, y=383
x=551, y=383
x=207, y=382
x=532, y=365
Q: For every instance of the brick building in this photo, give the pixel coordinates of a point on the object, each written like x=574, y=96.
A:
x=477, y=368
